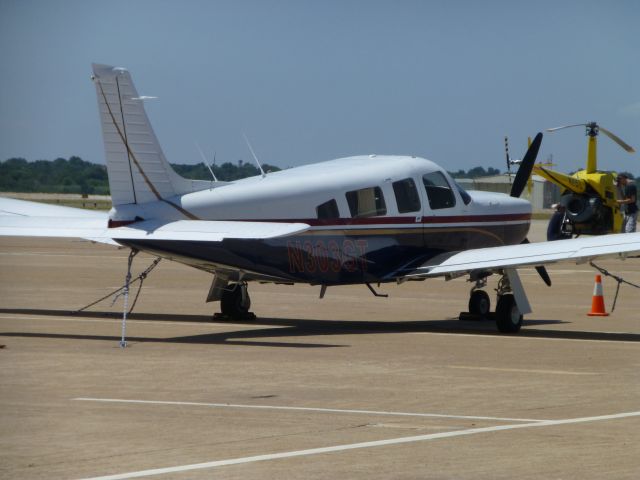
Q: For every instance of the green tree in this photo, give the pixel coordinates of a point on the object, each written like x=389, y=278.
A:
x=79, y=176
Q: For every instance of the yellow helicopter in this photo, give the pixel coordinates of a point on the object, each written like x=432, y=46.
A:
x=588, y=204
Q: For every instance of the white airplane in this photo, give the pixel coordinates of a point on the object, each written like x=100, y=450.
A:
x=357, y=220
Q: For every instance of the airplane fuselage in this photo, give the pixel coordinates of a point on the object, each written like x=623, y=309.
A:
x=372, y=219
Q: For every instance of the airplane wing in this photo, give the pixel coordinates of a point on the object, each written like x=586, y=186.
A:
x=578, y=250
x=23, y=208
x=29, y=219
x=23, y=218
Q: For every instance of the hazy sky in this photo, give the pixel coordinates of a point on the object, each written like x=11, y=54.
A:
x=310, y=81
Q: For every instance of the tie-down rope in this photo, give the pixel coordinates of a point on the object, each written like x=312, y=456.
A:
x=119, y=291
x=618, y=279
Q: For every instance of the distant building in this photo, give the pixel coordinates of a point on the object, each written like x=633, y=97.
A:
x=542, y=193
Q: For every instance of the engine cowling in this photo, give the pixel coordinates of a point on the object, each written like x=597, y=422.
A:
x=587, y=214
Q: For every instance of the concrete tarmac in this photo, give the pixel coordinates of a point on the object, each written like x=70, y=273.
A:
x=351, y=386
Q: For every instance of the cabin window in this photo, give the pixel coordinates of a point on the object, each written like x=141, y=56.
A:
x=438, y=190
x=367, y=202
x=328, y=210
x=407, y=196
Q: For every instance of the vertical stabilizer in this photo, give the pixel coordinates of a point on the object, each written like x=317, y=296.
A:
x=138, y=170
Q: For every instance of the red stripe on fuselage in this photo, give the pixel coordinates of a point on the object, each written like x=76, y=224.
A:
x=314, y=222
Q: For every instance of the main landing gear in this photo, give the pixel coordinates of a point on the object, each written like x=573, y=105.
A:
x=235, y=302
x=507, y=316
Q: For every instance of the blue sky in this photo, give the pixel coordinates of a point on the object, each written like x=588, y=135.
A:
x=311, y=81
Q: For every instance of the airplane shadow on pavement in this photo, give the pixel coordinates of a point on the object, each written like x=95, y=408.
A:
x=288, y=327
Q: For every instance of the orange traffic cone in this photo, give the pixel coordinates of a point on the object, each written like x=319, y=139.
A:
x=597, y=302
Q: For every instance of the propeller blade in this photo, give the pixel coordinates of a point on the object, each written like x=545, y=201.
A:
x=618, y=140
x=544, y=275
x=542, y=271
x=566, y=126
x=526, y=166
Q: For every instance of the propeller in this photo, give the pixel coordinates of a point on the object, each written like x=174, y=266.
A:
x=542, y=271
x=593, y=129
x=522, y=176
x=526, y=166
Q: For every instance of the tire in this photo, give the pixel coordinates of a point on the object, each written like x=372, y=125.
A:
x=508, y=317
x=479, y=303
x=232, y=305
x=554, y=228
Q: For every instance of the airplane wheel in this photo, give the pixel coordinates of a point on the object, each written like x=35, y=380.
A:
x=508, y=317
x=232, y=303
x=479, y=303
x=555, y=227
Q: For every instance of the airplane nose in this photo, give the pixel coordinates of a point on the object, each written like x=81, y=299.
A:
x=517, y=205
x=501, y=203
x=521, y=202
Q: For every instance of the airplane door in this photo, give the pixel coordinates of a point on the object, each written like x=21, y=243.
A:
x=443, y=213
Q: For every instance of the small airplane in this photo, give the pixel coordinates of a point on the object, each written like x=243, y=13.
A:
x=358, y=220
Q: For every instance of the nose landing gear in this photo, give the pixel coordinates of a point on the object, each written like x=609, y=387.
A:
x=479, y=302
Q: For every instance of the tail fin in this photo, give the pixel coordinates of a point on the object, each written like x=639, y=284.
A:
x=138, y=170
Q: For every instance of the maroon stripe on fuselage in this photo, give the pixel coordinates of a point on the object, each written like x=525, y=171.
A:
x=314, y=222
x=478, y=218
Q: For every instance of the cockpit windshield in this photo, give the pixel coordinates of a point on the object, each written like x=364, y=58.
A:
x=466, y=198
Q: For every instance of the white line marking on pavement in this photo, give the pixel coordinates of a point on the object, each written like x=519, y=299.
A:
x=354, y=446
x=522, y=370
x=303, y=409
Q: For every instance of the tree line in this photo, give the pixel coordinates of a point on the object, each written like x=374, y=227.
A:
x=75, y=175
x=475, y=172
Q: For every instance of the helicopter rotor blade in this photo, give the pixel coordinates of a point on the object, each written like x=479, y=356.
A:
x=618, y=140
x=565, y=126
x=526, y=166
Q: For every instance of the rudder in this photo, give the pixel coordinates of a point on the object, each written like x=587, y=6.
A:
x=138, y=170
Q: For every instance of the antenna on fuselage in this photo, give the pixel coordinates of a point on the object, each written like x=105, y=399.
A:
x=204, y=159
x=254, y=155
